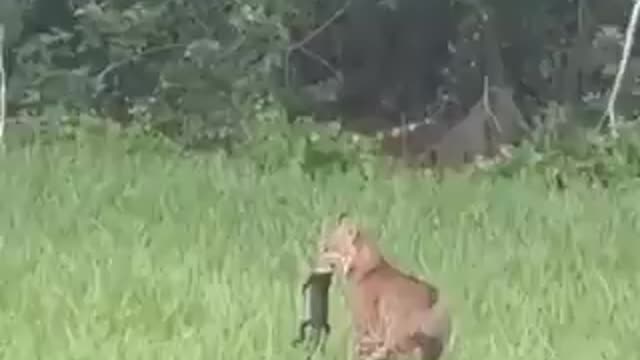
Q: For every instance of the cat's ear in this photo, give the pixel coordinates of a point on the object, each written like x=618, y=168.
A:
x=342, y=217
x=351, y=238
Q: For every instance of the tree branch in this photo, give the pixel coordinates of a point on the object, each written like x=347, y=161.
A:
x=300, y=45
x=3, y=87
x=622, y=67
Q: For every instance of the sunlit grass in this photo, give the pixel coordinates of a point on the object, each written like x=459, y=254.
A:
x=106, y=254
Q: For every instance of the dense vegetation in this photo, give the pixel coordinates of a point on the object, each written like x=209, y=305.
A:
x=161, y=189
x=201, y=73
x=193, y=68
x=200, y=256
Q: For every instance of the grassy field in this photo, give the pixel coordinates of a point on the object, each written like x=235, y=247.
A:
x=106, y=254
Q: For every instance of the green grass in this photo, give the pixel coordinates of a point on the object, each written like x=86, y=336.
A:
x=106, y=254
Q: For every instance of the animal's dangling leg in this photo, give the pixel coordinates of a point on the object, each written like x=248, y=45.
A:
x=302, y=333
x=313, y=345
x=326, y=331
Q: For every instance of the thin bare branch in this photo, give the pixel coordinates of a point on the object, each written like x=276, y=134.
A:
x=300, y=45
x=622, y=67
x=3, y=87
x=321, y=28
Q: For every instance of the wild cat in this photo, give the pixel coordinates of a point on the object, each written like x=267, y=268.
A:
x=394, y=314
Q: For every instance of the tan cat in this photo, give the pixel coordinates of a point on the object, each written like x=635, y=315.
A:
x=394, y=314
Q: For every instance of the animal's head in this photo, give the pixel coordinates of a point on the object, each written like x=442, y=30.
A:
x=344, y=246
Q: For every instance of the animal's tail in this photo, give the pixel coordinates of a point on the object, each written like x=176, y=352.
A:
x=439, y=327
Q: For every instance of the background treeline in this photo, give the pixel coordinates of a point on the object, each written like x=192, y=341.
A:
x=203, y=73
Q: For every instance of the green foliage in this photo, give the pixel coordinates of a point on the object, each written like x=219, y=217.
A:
x=203, y=73
x=273, y=143
x=584, y=155
x=269, y=140
x=59, y=126
x=171, y=59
